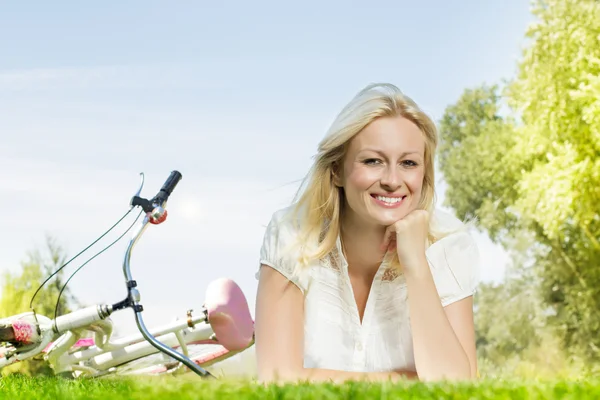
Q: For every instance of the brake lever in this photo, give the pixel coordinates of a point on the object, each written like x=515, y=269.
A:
x=136, y=200
x=137, y=194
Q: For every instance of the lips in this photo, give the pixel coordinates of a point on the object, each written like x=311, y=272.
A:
x=388, y=200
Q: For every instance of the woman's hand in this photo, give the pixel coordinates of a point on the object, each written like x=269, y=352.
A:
x=409, y=237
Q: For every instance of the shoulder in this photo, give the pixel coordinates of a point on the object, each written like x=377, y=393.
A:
x=454, y=258
x=283, y=225
x=280, y=249
x=454, y=235
x=450, y=231
x=445, y=221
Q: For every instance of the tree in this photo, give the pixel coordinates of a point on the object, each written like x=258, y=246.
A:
x=557, y=97
x=475, y=161
x=18, y=289
x=537, y=170
x=557, y=94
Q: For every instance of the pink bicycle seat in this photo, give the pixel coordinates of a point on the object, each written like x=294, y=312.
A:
x=228, y=314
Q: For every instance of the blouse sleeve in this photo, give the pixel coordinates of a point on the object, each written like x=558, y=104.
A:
x=456, y=267
x=276, y=251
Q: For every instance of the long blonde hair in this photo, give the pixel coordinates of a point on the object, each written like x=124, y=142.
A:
x=318, y=202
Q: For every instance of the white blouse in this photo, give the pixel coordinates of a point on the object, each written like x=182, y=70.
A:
x=334, y=337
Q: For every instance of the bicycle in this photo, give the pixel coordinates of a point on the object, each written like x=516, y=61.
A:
x=222, y=329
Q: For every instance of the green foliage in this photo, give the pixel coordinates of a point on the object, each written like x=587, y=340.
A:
x=476, y=162
x=19, y=288
x=194, y=388
x=531, y=175
x=513, y=340
x=504, y=333
x=557, y=93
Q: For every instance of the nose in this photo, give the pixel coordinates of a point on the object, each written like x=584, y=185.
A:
x=391, y=178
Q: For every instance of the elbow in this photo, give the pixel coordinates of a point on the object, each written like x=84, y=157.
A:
x=450, y=375
x=463, y=372
x=471, y=372
x=458, y=371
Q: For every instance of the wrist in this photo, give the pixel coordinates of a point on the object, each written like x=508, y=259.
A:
x=416, y=267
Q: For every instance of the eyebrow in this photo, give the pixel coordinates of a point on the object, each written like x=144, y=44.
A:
x=404, y=154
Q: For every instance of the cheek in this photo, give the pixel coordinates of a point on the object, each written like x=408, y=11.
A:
x=360, y=179
x=414, y=181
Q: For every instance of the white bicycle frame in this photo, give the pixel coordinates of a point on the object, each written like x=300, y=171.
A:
x=224, y=321
x=97, y=356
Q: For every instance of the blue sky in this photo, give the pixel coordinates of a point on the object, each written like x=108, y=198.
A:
x=234, y=95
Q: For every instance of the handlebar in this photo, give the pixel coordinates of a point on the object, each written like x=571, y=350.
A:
x=155, y=214
x=167, y=188
x=158, y=201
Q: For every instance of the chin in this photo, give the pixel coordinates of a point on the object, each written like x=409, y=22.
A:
x=388, y=218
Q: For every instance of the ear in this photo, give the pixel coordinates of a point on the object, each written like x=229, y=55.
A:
x=336, y=175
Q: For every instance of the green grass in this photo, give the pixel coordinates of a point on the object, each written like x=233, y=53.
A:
x=181, y=387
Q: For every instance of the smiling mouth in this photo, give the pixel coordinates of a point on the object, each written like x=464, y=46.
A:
x=388, y=201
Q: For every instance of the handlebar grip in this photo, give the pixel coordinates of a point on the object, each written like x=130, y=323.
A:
x=171, y=182
x=168, y=186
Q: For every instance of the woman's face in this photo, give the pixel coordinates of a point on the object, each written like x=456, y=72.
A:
x=383, y=170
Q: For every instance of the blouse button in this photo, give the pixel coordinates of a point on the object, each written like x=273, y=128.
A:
x=359, y=346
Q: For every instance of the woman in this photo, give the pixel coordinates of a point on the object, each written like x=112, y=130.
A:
x=360, y=279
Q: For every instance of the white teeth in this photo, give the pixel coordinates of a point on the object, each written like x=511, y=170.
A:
x=389, y=200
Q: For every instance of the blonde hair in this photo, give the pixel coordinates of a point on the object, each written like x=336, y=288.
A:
x=318, y=202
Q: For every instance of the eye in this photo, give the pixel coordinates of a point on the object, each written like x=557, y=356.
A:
x=409, y=163
x=372, y=161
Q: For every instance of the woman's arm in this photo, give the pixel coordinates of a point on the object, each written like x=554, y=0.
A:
x=279, y=336
x=443, y=338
